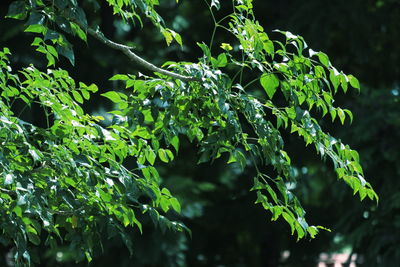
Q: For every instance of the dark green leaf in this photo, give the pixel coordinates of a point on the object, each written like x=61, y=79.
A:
x=36, y=18
x=17, y=10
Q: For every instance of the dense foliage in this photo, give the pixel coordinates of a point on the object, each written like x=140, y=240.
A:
x=83, y=176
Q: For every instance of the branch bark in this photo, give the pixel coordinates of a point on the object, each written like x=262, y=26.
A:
x=135, y=58
x=8, y=192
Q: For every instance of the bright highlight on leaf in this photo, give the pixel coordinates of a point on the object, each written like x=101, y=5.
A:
x=226, y=46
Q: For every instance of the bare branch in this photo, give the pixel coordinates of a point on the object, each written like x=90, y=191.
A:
x=132, y=56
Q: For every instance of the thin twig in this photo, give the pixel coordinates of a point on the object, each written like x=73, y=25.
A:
x=66, y=212
x=135, y=58
x=8, y=192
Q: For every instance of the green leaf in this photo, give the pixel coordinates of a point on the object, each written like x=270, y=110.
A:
x=168, y=36
x=333, y=114
x=50, y=59
x=162, y=154
x=177, y=37
x=232, y=157
x=119, y=77
x=164, y=203
x=276, y=212
x=350, y=114
x=77, y=97
x=67, y=52
x=341, y=115
x=36, y=18
x=175, y=205
x=77, y=14
x=356, y=167
x=299, y=230
x=205, y=49
x=334, y=77
x=113, y=96
x=150, y=156
x=85, y=94
x=290, y=220
x=313, y=231
x=92, y=88
x=88, y=256
x=220, y=62
x=268, y=46
x=175, y=143
x=52, y=50
x=343, y=81
x=51, y=35
x=33, y=237
x=353, y=81
x=270, y=83
x=63, y=24
x=241, y=159
x=323, y=58
x=78, y=31
x=36, y=28
x=226, y=47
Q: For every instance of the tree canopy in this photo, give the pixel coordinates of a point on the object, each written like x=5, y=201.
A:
x=81, y=178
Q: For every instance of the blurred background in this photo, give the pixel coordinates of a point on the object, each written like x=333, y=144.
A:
x=361, y=37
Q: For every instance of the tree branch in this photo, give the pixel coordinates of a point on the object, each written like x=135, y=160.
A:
x=66, y=212
x=135, y=58
x=8, y=192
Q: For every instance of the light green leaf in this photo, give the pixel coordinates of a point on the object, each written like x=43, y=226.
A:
x=350, y=114
x=36, y=28
x=113, y=96
x=164, y=203
x=343, y=81
x=334, y=77
x=270, y=83
x=220, y=62
x=323, y=58
x=353, y=81
x=175, y=143
x=119, y=77
x=313, y=231
x=85, y=94
x=150, y=156
x=162, y=154
x=92, y=88
x=77, y=96
x=268, y=46
x=341, y=115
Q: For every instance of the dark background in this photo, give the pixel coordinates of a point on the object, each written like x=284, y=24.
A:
x=361, y=37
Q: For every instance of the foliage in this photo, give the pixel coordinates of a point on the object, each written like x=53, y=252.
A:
x=84, y=175
x=370, y=232
x=366, y=231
